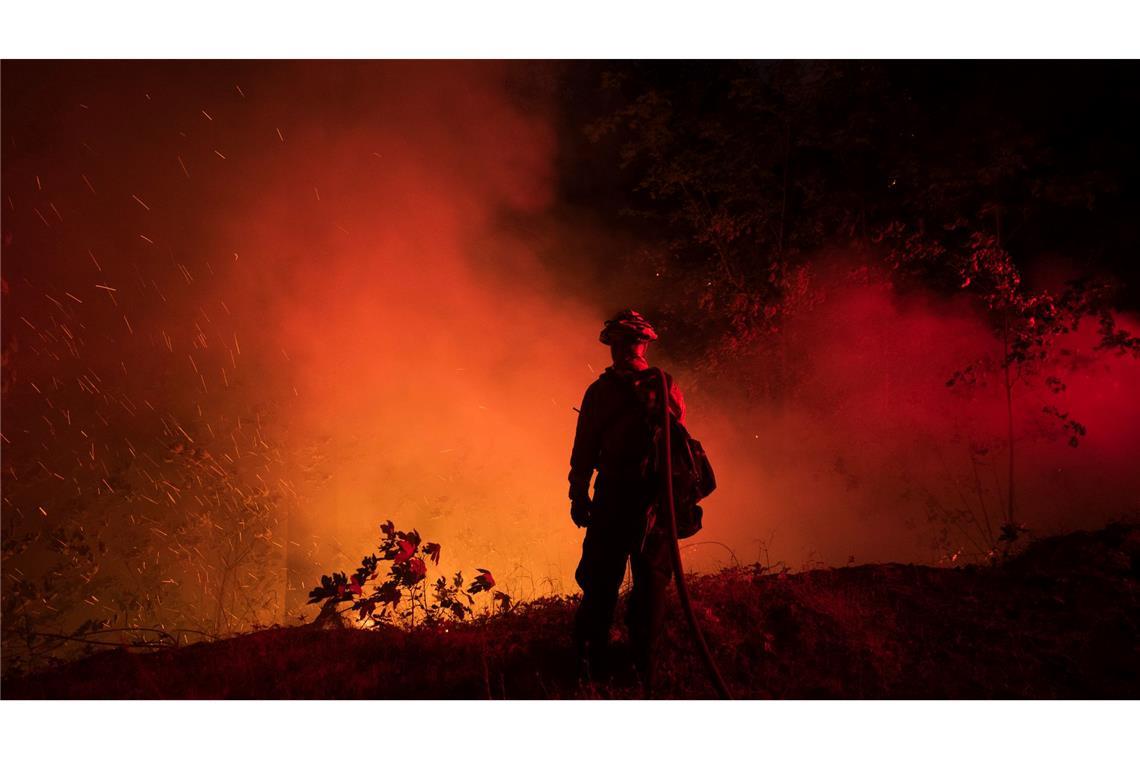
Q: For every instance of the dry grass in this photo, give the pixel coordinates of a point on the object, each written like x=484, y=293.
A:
x=1061, y=620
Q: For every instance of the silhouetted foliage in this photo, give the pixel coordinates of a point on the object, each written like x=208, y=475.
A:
x=743, y=172
x=395, y=597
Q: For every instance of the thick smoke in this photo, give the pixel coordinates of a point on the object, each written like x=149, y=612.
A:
x=870, y=454
x=301, y=273
x=436, y=365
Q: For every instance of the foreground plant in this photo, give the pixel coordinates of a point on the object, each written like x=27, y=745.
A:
x=404, y=589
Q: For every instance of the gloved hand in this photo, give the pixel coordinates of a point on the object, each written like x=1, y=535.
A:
x=580, y=512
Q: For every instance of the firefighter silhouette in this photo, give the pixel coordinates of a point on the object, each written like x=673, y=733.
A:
x=614, y=437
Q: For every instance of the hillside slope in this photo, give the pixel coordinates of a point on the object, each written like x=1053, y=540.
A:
x=1060, y=620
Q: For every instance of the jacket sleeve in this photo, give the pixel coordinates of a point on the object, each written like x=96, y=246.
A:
x=587, y=447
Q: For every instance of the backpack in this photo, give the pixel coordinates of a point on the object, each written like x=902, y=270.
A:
x=693, y=477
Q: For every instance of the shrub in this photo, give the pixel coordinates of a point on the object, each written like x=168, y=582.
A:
x=394, y=598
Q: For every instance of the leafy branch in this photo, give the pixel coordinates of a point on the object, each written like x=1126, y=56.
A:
x=396, y=596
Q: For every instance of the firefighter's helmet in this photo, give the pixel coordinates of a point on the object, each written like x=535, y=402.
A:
x=627, y=326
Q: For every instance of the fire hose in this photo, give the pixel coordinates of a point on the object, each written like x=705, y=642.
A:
x=698, y=636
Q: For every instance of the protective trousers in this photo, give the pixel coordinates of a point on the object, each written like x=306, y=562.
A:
x=616, y=535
